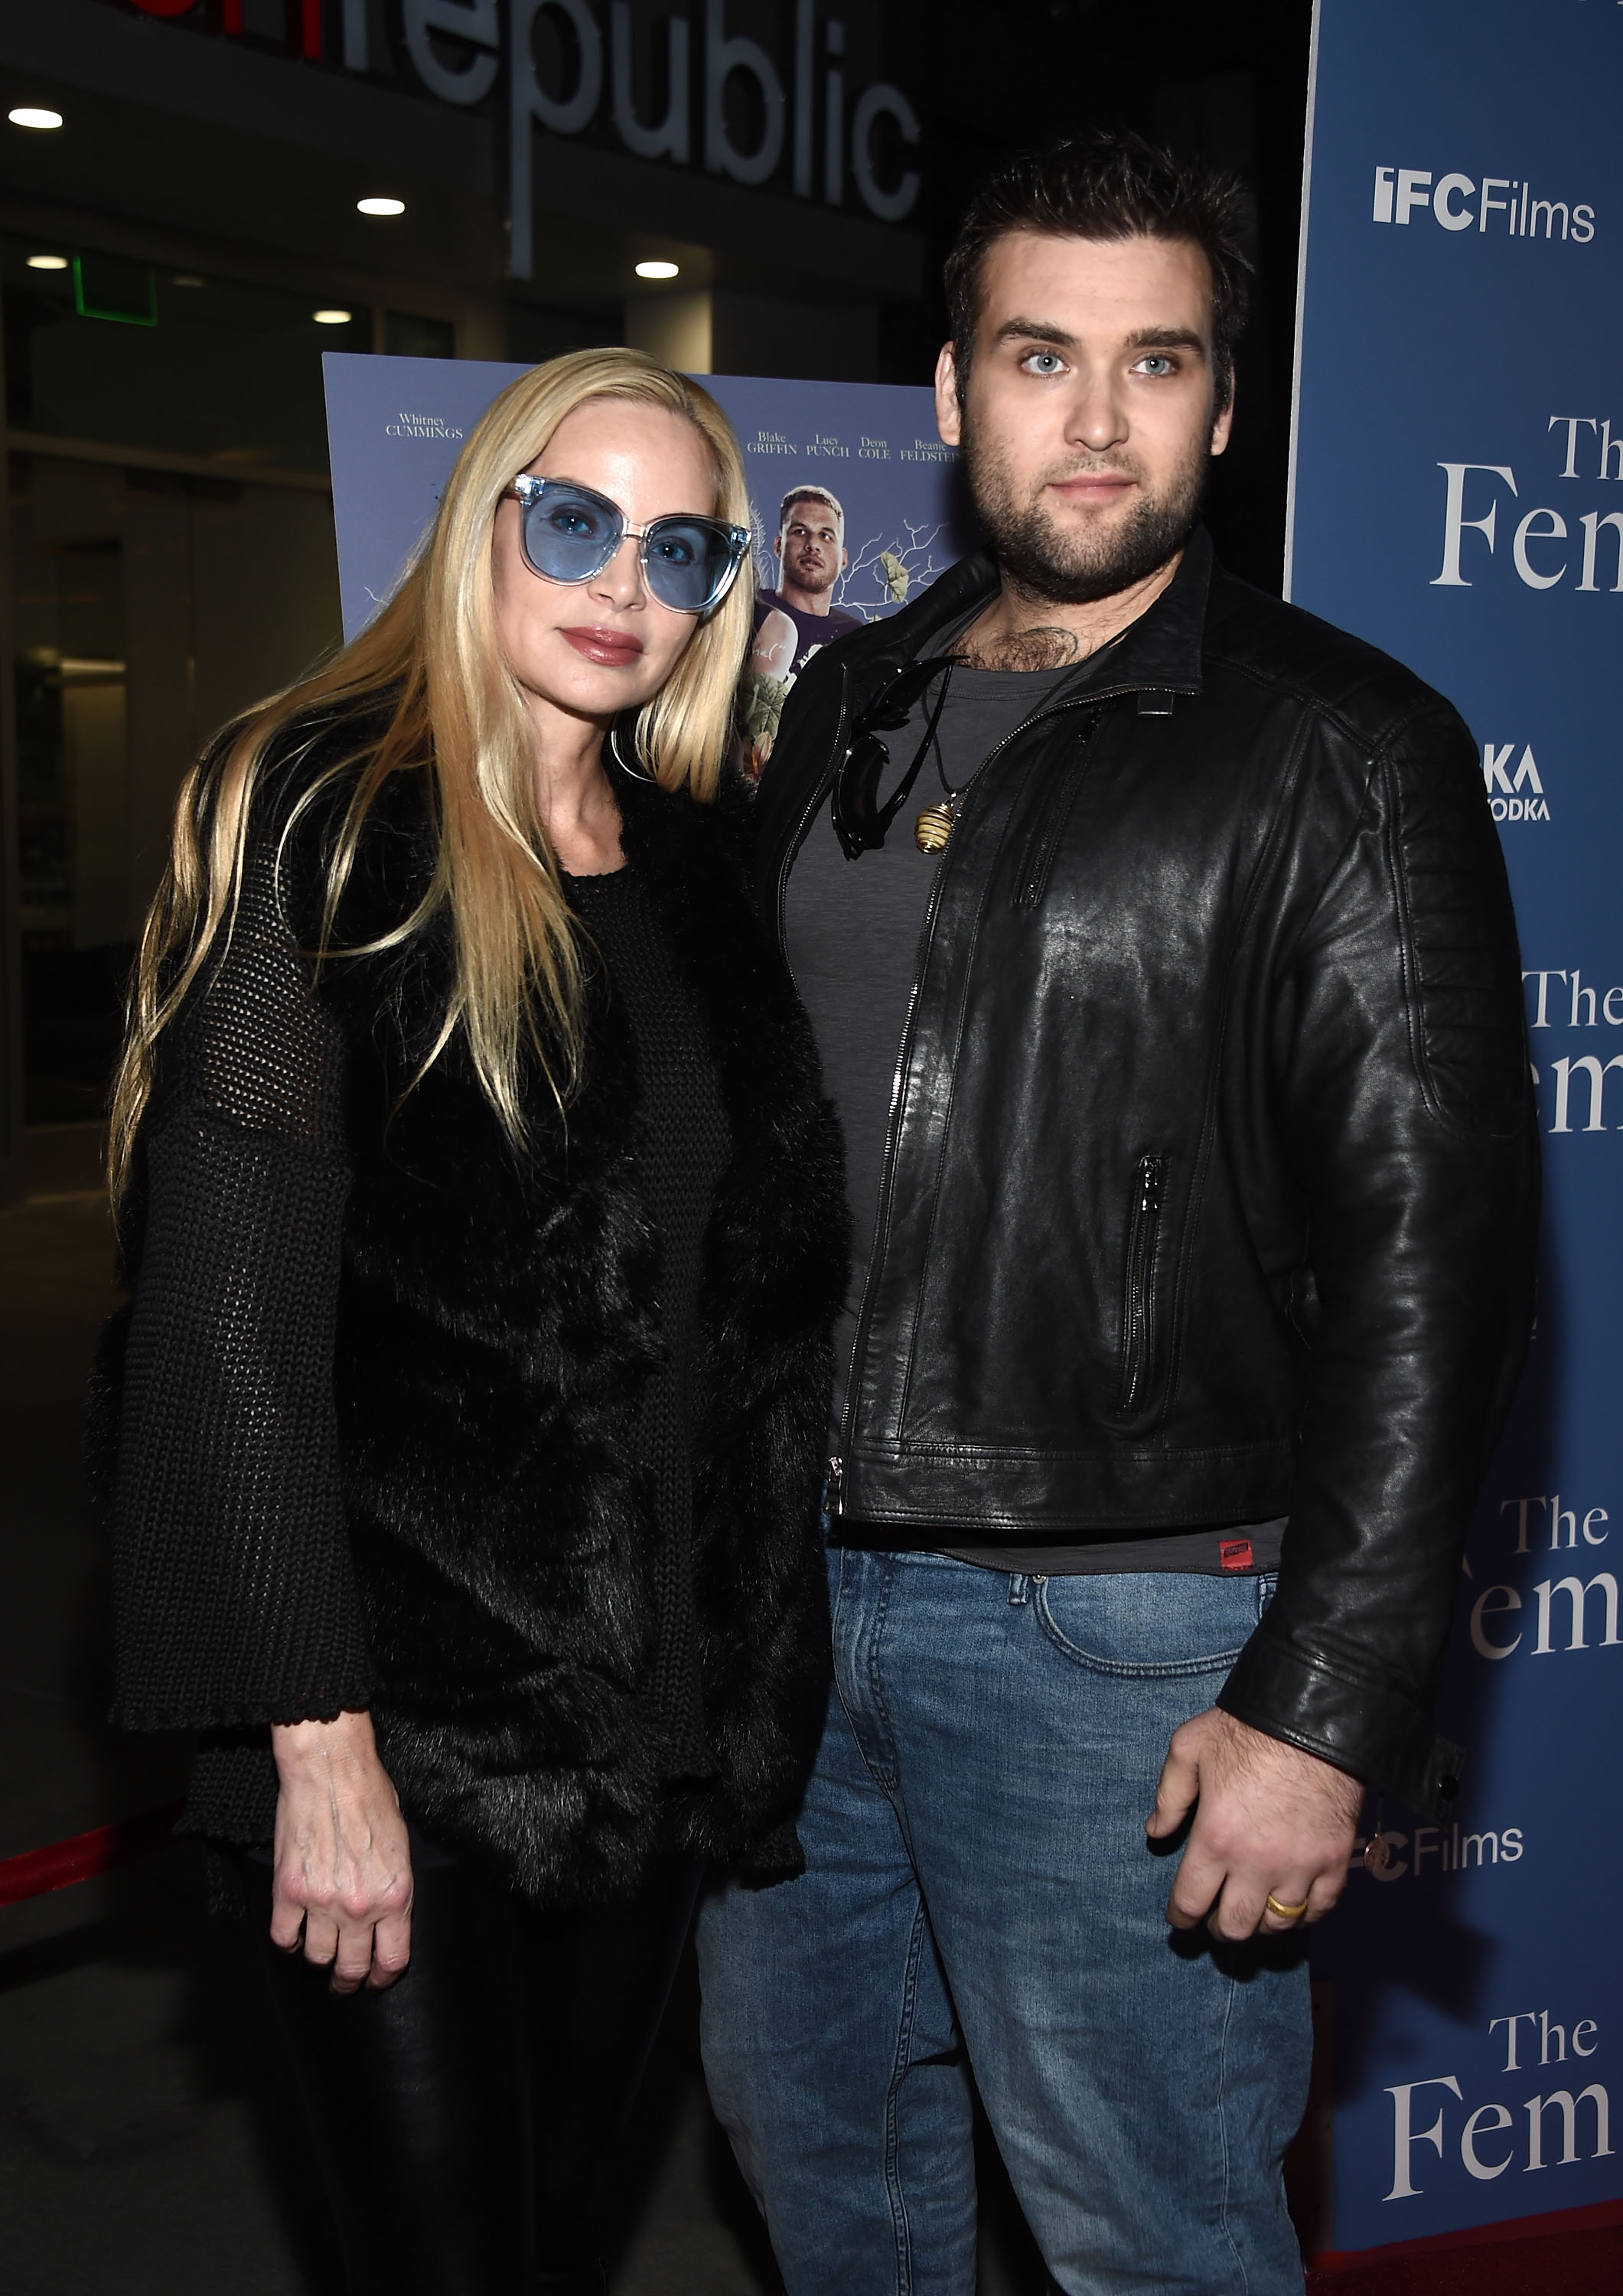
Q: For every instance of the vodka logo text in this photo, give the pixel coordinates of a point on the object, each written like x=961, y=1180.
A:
x=1515, y=791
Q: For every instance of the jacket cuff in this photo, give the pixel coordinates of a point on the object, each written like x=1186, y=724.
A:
x=1359, y=1726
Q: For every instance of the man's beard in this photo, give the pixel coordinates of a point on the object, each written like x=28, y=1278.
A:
x=1078, y=567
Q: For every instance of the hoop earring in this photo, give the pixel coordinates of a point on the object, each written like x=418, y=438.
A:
x=630, y=772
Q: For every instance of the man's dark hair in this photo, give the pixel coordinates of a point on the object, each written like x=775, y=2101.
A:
x=1107, y=186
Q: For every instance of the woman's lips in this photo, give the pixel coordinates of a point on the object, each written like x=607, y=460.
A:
x=609, y=649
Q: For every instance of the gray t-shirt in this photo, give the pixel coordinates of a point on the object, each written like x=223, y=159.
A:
x=853, y=930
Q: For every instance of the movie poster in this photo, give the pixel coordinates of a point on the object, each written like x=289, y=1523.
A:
x=855, y=505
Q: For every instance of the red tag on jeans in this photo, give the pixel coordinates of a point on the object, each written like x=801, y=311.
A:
x=1234, y=1554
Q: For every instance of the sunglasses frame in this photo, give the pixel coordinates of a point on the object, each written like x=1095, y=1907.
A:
x=861, y=823
x=527, y=491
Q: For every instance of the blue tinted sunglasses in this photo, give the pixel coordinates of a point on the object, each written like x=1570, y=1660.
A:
x=569, y=534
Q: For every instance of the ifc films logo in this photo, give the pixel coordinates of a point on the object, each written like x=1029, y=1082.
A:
x=1461, y=202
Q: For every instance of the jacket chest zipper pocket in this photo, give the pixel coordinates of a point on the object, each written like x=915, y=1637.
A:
x=1033, y=879
x=1138, y=1318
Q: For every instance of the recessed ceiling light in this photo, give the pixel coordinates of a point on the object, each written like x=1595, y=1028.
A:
x=382, y=207
x=32, y=115
x=331, y=318
x=185, y=279
x=658, y=270
x=47, y=263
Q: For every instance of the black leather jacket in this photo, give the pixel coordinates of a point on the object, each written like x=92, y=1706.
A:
x=1211, y=1185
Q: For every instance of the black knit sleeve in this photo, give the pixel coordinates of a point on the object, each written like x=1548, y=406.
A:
x=234, y=1600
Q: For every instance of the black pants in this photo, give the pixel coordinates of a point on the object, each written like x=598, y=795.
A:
x=464, y=2116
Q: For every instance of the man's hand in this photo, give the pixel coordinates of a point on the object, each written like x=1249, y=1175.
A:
x=1269, y=1820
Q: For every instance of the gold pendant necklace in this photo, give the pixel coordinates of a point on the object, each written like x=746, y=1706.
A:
x=933, y=827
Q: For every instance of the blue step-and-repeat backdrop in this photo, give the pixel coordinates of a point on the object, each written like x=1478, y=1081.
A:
x=1458, y=499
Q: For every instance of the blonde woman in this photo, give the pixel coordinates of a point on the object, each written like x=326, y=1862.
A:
x=483, y=1220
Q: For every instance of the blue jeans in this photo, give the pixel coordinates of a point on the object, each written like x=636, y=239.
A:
x=980, y=1900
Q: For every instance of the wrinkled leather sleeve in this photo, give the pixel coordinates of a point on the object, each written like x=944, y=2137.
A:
x=1403, y=1093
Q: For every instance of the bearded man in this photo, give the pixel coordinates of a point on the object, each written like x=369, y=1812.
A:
x=1180, y=1055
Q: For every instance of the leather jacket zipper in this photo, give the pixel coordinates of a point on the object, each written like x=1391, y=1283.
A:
x=892, y=1126
x=892, y=1122
x=1138, y=1327
x=1039, y=858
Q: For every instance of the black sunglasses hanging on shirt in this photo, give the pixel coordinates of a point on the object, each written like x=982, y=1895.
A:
x=860, y=821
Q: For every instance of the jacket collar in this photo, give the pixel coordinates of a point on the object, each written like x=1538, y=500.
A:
x=1159, y=652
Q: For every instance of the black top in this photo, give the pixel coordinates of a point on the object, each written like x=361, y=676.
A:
x=682, y=1152
x=377, y=1401
x=244, y=1179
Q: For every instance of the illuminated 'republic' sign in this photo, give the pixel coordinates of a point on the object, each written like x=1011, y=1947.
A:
x=801, y=110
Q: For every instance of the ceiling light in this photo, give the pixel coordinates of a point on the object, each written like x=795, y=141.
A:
x=658, y=270
x=185, y=279
x=47, y=263
x=331, y=318
x=381, y=207
x=31, y=115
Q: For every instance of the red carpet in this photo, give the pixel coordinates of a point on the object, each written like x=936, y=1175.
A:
x=1578, y=2252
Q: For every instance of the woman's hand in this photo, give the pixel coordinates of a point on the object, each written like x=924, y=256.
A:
x=343, y=1868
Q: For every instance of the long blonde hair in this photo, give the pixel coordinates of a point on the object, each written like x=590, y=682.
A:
x=456, y=714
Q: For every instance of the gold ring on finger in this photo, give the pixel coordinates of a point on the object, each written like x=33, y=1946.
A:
x=1286, y=1913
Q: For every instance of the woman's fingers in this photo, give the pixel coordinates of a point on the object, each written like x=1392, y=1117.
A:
x=391, y=1950
x=320, y=1936
x=358, y=1951
x=287, y=1918
x=366, y=1941
x=352, y=1961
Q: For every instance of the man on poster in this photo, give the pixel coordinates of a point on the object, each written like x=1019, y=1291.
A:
x=799, y=618
x=810, y=549
x=1158, y=945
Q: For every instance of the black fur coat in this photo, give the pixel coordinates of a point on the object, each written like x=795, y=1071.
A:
x=467, y=1540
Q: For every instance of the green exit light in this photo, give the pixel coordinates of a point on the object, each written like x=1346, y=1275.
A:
x=112, y=287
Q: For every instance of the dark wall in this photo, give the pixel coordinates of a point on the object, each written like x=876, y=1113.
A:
x=1228, y=83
